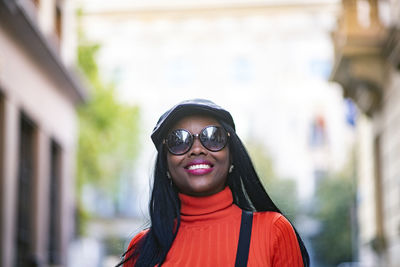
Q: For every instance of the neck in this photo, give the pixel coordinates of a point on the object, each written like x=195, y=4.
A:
x=206, y=208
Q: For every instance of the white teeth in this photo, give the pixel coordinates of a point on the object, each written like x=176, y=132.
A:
x=199, y=166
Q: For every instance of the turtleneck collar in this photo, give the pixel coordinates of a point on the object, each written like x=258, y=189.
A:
x=207, y=208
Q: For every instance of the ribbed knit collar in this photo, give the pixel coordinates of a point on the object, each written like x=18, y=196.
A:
x=204, y=209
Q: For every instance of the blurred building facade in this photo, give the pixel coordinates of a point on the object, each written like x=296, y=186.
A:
x=38, y=131
x=367, y=65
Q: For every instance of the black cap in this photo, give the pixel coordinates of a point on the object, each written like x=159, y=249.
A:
x=185, y=108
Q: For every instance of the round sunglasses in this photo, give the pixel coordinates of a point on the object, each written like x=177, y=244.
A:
x=213, y=138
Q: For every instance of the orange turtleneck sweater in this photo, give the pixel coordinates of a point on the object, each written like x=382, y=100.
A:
x=209, y=234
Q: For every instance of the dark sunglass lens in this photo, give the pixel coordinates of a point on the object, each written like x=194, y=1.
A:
x=179, y=142
x=213, y=138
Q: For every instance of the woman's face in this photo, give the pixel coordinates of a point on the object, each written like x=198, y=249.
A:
x=199, y=172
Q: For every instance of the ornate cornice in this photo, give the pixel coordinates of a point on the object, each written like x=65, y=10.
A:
x=359, y=65
x=391, y=50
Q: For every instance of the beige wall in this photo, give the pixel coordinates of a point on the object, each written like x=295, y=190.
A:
x=8, y=175
x=46, y=23
x=386, y=125
x=33, y=90
x=367, y=200
x=389, y=125
x=360, y=49
x=365, y=171
x=26, y=87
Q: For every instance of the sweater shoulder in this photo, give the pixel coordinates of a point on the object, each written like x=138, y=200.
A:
x=135, y=240
x=275, y=234
x=129, y=258
x=275, y=220
x=273, y=224
x=270, y=217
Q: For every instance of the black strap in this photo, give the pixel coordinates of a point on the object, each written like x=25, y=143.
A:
x=242, y=253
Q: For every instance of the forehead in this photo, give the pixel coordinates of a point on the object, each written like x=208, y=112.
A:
x=195, y=123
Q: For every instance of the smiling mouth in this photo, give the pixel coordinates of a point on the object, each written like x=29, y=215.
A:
x=199, y=166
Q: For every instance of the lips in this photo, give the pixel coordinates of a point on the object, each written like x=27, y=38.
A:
x=199, y=167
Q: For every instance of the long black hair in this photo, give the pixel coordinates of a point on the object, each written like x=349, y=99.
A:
x=247, y=190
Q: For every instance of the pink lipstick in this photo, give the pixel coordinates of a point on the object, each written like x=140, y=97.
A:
x=199, y=167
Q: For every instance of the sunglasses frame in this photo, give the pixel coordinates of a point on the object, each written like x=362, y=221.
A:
x=193, y=136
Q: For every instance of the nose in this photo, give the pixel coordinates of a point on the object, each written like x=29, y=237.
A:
x=197, y=147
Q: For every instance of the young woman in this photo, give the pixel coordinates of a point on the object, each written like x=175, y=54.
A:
x=208, y=206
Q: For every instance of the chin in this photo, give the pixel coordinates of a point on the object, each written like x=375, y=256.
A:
x=206, y=191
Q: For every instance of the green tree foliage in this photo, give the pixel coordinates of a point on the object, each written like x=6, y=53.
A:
x=108, y=134
x=282, y=191
x=334, y=205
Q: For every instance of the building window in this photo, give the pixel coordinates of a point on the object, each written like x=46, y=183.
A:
x=32, y=8
x=2, y=129
x=36, y=3
x=242, y=69
x=379, y=241
x=58, y=22
x=54, y=256
x=2, y=136
x=25, y=212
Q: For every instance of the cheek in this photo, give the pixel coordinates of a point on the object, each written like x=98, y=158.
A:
x=172, y=163
x=225, y=160
x=228, y=157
